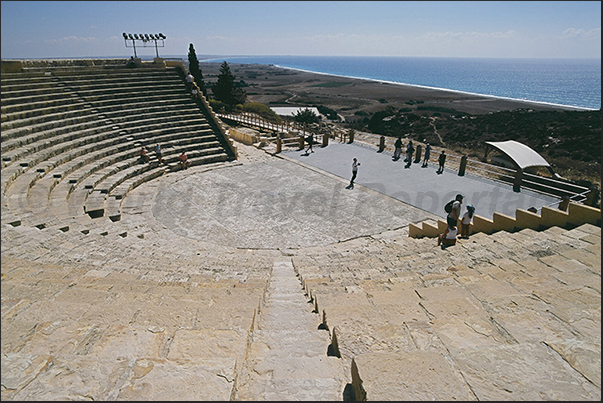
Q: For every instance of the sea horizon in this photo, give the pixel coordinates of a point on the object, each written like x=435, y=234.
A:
x=572, y=83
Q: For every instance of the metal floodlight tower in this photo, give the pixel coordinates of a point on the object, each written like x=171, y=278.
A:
x=144, y=38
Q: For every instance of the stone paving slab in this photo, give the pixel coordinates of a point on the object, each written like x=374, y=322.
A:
x=529, y=371
x=288, y=202
x=414, y=379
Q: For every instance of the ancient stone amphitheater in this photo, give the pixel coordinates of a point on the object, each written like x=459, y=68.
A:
x=110, y=292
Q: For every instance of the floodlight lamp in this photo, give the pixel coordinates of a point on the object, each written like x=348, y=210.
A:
x=135, y=36
x=162, y=36
x=130, y=35
x=146, y=36
x=152, y=36
x=125, y=35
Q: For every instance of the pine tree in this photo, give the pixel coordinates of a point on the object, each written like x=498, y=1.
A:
x=225, y=90
x=193, y=66
x=306, y=116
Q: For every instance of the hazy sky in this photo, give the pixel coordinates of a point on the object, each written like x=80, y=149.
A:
x=542, y=29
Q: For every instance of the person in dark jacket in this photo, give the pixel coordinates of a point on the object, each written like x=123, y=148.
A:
x=441, y=160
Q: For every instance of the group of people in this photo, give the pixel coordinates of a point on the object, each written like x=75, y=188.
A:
x=158, y=153
x=449, y=236
x=410, y=149
x=183, y=158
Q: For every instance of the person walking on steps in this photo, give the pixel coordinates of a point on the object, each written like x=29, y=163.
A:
x=355, y=165
x=441, y=160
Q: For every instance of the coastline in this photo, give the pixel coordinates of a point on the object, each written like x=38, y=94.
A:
x=571, y=107
x=352, y=97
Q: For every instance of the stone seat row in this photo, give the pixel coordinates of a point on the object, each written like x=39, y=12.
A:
x=28, y=109
x=15, y=100
x=422, y=256
x=165, y=321
x=31, y=156
x=383, y=323
x=33, y=131
x=47, y=155
x=105, y=195
x=26, y=81
x=88, y=241
x=50, y=95
x=127, y=83
x=68, y=138
x=100, y=170
x=43, y=128
x=42, y=114
x=108, y=136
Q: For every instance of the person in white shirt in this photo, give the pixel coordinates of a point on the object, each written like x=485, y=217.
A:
x=189, y=81
x=355, y=165
x=455, y=214
x=448, y=237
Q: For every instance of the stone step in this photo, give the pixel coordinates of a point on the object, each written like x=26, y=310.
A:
x=288, y=357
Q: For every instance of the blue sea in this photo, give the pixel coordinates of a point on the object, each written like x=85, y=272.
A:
x=568, y=82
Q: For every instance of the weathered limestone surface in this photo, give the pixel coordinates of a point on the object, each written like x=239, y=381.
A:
x=412, y=376
x=288, y=353
x=149, y=308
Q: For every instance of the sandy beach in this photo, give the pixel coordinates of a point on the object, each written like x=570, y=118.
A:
x=352, y=97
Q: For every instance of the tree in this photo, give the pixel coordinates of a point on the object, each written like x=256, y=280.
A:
x=225, y=89
x=193, y=66
x=306, y=116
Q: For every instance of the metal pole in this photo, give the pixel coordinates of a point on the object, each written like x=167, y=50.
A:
x=134, y=44
x=156, y=51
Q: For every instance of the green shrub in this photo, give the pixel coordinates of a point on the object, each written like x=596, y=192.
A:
x=216, y=105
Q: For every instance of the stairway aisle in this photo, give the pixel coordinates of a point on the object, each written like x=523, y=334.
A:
x=287, y=358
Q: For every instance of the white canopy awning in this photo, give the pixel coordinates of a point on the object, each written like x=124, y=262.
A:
x=519, y=153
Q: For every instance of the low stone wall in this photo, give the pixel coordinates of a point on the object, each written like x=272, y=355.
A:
x=577, y=214
x=72, y=62
x=244, y=135
x=17, y=66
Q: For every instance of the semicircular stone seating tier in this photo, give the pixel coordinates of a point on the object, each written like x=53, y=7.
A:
x=71, y=140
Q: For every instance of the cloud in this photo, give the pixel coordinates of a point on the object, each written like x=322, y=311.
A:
x=71, y=39
x=468, y=35
x=581, y=33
